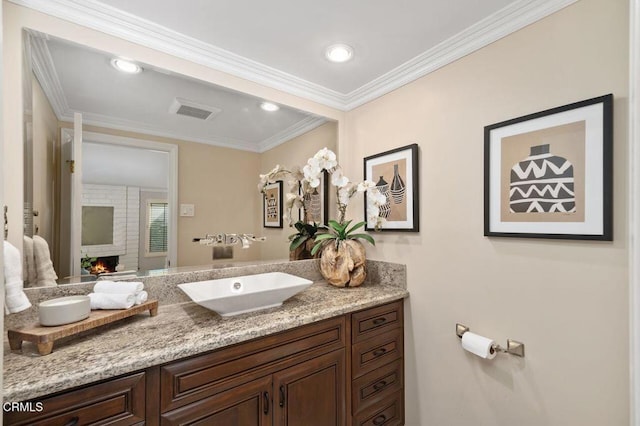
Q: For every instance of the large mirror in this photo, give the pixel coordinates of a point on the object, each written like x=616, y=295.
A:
x=128, y=168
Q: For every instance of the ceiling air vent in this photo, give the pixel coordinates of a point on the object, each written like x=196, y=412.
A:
x=189, y=108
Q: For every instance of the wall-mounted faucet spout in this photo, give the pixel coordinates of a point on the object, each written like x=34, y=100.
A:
x=228, y=239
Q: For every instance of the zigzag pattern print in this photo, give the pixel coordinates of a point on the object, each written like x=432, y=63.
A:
x=542, y=183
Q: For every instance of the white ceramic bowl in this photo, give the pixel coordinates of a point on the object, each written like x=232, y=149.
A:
x=64, y=310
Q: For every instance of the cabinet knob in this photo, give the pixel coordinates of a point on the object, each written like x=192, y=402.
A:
x=379, y=321
x=380, y=420
x=381, y=384
x=282, y=396
x=379, y=352
x=73, y=422
x=266, y=402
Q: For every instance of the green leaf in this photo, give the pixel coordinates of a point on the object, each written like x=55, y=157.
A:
x=364, y=237
x=335, y=224
x=299, y=226
x=321, y=237
x=315, y=248
x=356, y=226
x=297, y=242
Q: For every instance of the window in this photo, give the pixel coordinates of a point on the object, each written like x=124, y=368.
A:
x=157, y=226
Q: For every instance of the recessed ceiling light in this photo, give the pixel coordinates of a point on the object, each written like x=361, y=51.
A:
x=269, y=106
x=126, y=66
x=339, y=53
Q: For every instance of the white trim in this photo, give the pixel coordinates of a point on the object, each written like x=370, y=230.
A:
x=634, y=211
x=45, y=72
x=301, y=127
x=510, y=19
x=172, y=191
x=110, y=20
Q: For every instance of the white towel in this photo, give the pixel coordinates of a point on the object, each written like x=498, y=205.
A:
x=111, y=301
x=141, y=297
x=46, y=275
x=118, y=287
x=29, y=264
x=15, y=300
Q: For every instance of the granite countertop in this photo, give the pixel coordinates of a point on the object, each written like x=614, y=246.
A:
x=178, y=331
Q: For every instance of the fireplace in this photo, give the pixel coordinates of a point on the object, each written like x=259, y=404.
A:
x=104, y=264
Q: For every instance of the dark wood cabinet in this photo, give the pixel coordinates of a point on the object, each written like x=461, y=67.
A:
x=377, y=366
x=343, y=371
x=311, y=393
x=118, y=401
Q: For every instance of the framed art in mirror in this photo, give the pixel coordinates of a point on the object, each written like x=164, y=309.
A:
x=549, y=174
x=272, y=205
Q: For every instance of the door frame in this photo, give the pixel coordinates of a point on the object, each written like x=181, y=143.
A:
x=172, y=193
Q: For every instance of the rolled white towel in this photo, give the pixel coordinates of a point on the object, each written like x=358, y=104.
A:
x=29, y=264
x=141, y=297
x=111, y=301
x=45, y=274
x=15, y=299
x=118, y=287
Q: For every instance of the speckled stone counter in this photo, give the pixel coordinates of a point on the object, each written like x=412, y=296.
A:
x=183, y=329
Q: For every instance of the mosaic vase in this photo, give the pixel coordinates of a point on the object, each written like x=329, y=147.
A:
x=383, y=187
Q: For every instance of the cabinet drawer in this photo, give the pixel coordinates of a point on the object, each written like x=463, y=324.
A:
x=187, y=381
x=116, y=402
x=376, y=352
x=389, y=412
x=370, y=322
x=373, y=387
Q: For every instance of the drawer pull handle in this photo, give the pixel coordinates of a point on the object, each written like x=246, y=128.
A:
x=266, y=402
x=379, y=321
x=282, y=396
x=380, y=420
x=73, y=422
x=379, y=352
x=380, y=385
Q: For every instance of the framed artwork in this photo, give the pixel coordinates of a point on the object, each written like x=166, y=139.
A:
x=395, y=174
x=549, y=174
x=272, y=205
x=317, y=203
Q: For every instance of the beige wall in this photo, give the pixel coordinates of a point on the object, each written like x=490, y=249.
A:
x=566, y=300
x=295, y=152
x=222, y=185
x=45, y=144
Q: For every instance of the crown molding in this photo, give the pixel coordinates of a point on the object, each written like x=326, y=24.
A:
x=509, y=19
x=45, y=72
x=297, y=129
x=101, y=17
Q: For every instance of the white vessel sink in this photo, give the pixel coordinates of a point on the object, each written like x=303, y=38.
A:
x=238, y=295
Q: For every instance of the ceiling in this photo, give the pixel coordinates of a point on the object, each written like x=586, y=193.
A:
x=76, y=78
x=281, y=43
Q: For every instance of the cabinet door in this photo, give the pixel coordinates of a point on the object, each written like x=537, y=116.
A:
x=311, y=393
x=246, y=405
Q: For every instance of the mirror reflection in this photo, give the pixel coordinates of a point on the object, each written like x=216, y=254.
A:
x=126, y=163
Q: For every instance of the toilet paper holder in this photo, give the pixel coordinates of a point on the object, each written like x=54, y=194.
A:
x=513, y=347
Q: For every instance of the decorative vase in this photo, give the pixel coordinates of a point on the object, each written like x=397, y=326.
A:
x=303, y=251
x=383, y=187
x=344, y=265
x=542, y=183
x=313, y=205
x=397, y=186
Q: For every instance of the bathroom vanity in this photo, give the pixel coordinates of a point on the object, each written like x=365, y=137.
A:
x=328, y=356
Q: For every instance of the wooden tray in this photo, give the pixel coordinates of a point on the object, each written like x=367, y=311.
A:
x=45, y=337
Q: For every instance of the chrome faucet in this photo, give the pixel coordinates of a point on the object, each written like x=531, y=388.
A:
x=228, y=239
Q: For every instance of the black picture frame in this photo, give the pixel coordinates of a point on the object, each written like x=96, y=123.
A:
x=323, y=191
x=563, y=187
x=272, y=205
x=399, y=170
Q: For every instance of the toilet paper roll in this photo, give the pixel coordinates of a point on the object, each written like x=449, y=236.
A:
x=478, y=345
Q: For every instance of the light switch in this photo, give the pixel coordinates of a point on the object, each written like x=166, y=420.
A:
x=187, y=210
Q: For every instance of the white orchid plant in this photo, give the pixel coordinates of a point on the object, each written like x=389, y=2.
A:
x=309, y=179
